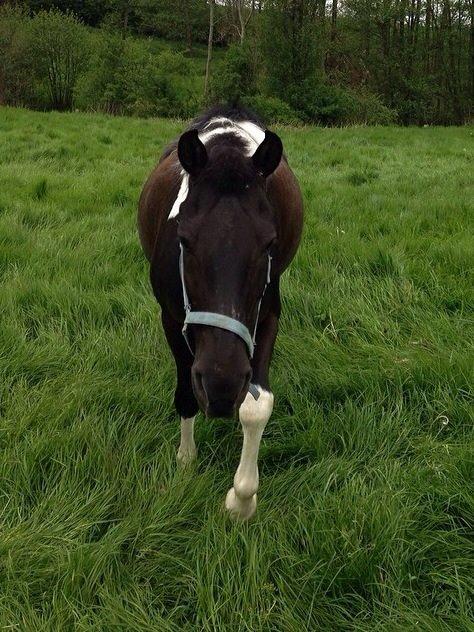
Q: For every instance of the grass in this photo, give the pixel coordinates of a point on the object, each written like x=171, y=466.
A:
x=366, y=498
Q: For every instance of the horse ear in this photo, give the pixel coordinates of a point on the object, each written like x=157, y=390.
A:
x=268, y=154
x=191, y=152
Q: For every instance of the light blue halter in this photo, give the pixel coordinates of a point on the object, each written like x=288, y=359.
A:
x=212, y=319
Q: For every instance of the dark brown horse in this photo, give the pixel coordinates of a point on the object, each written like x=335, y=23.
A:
x=220, y=219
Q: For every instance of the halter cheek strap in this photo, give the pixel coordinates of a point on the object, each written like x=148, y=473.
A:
x=221, y=321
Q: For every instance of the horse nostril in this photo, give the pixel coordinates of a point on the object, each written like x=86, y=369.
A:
x=221, y=408
x=219, y=392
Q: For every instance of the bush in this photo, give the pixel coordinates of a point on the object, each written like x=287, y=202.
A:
x=161, y=88
x=125, y=78
x=236, y=77
x=415, y=102
x=16, y=85
x=368, y=109
x=43, y=65
x=58, y=49
x=318, y=102
x=272, y=110
x=104, y=86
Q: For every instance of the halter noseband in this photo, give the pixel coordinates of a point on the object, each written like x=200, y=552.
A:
x=213, y=319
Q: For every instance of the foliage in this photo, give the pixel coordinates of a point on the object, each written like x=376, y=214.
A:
x=90, y=12
x=125, y=78
x=318, y=102
x=368, y=108
x=58, y=54
x=104, y=85
x=365, y=501
x=288, y=65
x=16, y=85
x=237, y=75
x=184, y=20
x=273, y=111
x=417, y=56
x=334, y=63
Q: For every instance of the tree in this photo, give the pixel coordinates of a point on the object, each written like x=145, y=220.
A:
x=240, y=13
x=333, y=20
x=90, y=12
x=296, y=23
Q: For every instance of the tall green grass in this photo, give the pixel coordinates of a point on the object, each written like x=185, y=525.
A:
x=366, y=499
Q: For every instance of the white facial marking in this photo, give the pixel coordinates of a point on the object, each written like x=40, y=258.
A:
x=253, y=131
x=241, y=500
x=182, y=194
x=249, y=132
x=216, y=119
x=187, y=448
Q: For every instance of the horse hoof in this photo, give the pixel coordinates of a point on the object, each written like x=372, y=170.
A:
x=239, y=508
x=186, y=457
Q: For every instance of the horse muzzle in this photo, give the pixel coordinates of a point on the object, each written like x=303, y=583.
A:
x=219, y=393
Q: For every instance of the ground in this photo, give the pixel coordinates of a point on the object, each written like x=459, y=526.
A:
x=366, y=492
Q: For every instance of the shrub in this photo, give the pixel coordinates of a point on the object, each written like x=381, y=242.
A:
x=58, y=46
x=273, y=110
x=160, y=88
x=415, y=103
x=236, y=77
x=318, y=102
x=125, y=78
x=16, y=86
x=103, y=87
x=368, y=109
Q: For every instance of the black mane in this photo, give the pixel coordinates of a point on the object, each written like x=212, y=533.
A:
x=233, y=112
x=228, y=168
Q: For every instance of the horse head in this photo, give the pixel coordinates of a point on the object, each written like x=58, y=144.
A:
x=228, y=233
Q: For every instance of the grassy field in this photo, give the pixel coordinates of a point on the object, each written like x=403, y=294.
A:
x=366, y=498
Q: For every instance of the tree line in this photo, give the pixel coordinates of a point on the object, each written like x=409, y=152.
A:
x=323, y=61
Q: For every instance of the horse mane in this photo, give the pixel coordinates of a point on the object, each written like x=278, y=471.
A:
x=229, y=169
x=234, y=112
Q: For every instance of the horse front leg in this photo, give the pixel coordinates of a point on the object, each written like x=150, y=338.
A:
x=184, y=400
x=241, y=500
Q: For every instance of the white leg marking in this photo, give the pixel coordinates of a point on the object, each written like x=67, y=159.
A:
x=187, y=448
x=255, y=133
x=241, y=500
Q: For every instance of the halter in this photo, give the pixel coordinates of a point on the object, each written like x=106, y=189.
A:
x=213, y=319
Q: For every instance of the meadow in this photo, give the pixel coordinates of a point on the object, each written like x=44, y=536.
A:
x=366, y=499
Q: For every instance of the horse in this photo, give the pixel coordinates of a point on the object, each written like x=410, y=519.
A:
x=219, y=219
